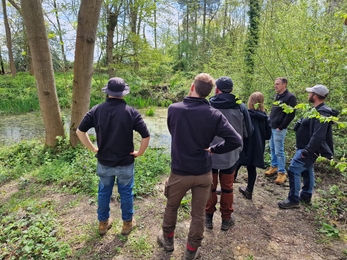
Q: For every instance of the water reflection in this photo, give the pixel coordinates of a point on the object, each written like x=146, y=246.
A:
x=15, y=128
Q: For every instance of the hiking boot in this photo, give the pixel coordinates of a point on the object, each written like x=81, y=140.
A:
x=104, y=226
x=128, y=226
x=228, y=223
x=191, y=255
x=306, y=202
x=287, y=204
x=247, y=194
x=166, y=242
x=281, y=178
x=271, y=171
x=209, y=221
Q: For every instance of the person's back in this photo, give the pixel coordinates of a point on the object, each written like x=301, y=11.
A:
x=193, y=125
x=114, y=123
x=224, y=165
x=253, y=155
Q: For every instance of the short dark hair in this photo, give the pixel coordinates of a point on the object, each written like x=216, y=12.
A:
x=203, y=83
x=283, y=79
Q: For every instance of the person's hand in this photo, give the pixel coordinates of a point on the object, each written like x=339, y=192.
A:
x=135, y=154
x=304, y=153
x=208, y=150
x=278, y=129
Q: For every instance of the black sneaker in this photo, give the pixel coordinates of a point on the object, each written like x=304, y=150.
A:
x=209, y=221
x=286, y=204
x=191, y=255
x=165, y=242
x=247, y=194
x=228, y=223
x=306, y=202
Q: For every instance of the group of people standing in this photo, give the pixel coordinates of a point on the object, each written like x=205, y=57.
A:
x=211, y=140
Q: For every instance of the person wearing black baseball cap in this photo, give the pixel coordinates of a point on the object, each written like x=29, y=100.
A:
x=314, y=137
x=114, y=122
x=224, y=165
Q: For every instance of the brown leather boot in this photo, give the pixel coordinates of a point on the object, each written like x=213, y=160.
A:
x=128, y=226
x=271, y=171
x=281, y=178
x=104, y=226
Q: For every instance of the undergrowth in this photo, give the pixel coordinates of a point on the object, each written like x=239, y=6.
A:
x=28, y=227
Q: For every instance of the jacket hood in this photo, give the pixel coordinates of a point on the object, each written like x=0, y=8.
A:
x=224, y=100
x=257, y=114
x=326, y=111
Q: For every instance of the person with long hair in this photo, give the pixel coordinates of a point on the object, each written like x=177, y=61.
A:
x=253, y=154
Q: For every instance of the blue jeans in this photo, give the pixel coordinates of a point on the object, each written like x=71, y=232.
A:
x=278, y=157
x=301, y=167
x=125, y=183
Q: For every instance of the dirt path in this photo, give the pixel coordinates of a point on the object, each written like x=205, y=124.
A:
x=262, y=231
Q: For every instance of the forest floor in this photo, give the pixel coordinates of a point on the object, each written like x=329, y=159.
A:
x=262, y=230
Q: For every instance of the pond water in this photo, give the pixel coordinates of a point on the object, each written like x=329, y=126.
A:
x=15, y=128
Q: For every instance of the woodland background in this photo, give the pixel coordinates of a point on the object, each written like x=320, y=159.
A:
x=159, y=46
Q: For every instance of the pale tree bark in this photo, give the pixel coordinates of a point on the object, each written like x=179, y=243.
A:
x=8, y=40
x=88, y=17
x=42, y=62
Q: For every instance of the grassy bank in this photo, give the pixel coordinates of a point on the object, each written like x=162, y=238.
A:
x=29, y=228
x=19, y=94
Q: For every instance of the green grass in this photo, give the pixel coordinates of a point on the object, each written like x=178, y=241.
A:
x=28, y=227
x=19, y=94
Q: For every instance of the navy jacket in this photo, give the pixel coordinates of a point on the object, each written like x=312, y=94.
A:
x=114, y=122
x=193, y=124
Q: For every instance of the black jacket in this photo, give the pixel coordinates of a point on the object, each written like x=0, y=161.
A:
x=280, y=119
x=193, y=124
x=114, y=122
x=253, y=153
x=316, y=137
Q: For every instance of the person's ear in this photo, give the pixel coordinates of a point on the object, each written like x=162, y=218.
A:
x=192, y=87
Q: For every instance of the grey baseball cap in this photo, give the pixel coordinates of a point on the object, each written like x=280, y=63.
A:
x=319, y=90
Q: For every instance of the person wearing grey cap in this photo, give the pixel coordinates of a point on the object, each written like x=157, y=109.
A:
x=114, y=122
x=224, y=165
x=313, y=138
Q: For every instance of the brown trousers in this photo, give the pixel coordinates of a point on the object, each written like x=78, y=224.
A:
x=176, y=187
x=226, y=181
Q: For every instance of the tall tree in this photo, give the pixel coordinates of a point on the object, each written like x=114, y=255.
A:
x=8, y=40
x=252, y=42
x=112, y=13
x=88, y=17
x=42, y=62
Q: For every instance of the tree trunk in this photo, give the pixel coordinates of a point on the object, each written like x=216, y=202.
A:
x=252, y=42
x=8, y=40
x=42, y=62
x=111, y=25
x=88, y=17
x=60, y=35
x=2, y=70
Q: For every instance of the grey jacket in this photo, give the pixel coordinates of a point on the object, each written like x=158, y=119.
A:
x=237, y=115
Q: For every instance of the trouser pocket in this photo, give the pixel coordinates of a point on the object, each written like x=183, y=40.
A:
x=166, y=189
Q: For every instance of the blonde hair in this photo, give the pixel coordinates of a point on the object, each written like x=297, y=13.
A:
x=256, y=101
